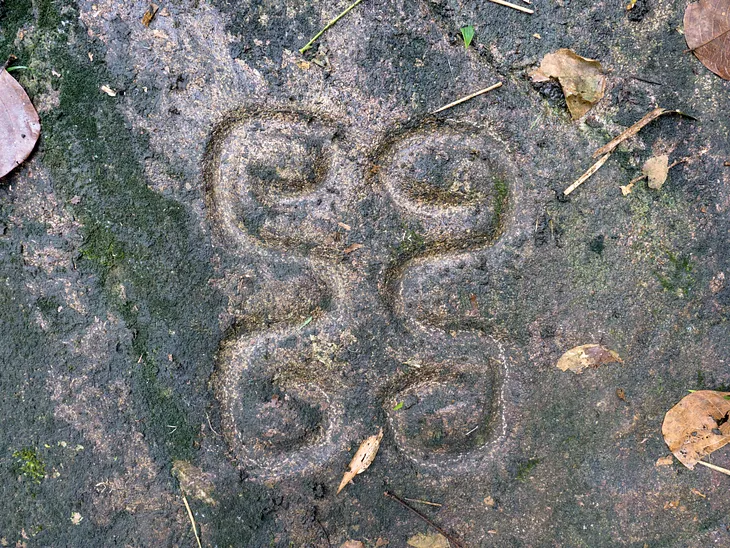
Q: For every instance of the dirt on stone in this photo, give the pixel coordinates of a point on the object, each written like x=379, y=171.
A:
x=174, y=287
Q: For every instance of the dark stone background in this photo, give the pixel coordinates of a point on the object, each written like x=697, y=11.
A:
x=121, y=293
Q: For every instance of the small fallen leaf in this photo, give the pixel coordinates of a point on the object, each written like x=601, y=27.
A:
x=422, y=540
x=149, y=15
x=707, y=31
x=620, y=394
x=109, y=91
x=352, y=544
x=671, y=504
x=656, y=170
x=351, y=248
x=76, y=518
x=489, y=501
x=398, y=406
x=19, y=124
x=697, y=426
x=467, y=33
x=362, y=459
x=630, y=5
x=664, y=461
x=588, y=355
x=582, y=79
x=381, y=542
x=698, y=493
x=626, y=189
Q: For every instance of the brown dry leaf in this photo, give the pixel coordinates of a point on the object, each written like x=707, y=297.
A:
x=381, y=542
x=656, y=170
x=626, y=189
x=620, y=394
x=352, y=544
x=19, y=124
x=422, y=540
x=582, y=79
x=664, y=461
x=362, y=459
x=707, y=31
x=149, y=15
x=697, y=426
x=588, y=355
x=351, y=248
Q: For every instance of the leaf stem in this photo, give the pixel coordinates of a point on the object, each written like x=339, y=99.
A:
x=328, y=25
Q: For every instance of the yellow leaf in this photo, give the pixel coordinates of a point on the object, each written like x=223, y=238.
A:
x=422, y=540
x=697, y=426
x=588, y=355
x=362, y=459
x=582, y=79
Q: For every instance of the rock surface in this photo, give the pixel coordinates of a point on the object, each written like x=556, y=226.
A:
x=180, y=284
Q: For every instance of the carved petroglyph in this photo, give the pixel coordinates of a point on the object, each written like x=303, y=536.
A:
x=278, y=183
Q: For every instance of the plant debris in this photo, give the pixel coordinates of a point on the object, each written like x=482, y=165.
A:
x=362, y=459
x=149, y=15
x=425, y=540
x=352, y=247
x=656, y=170
x=109, y=91
x=697, y=426
x=513, y=6
x=467, y=33
x=582, y=357
x=605, y=151
x=328, y=25
x=707, y=31
x=664, y=461
x=19, y=124
x=403, y=503
x=582, y=79
x=468, y=97
x=634, y=129
x=352, y=544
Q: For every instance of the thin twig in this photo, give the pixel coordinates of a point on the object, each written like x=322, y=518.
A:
x=451, y=539
x=646, y=81
x=468, y=97
x=328, y=25
x=714, y=467
x=634, y=129
x=192, y=521
x=429, y=503
x=590, y=171
x=513, y=6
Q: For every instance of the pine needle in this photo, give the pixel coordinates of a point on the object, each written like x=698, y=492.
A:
x=327, y=26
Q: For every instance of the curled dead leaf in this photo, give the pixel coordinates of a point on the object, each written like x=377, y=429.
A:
x=19, y=124
x=423, y=540
x=697, y=426
x=362, y=459
x=587, y=355
x=656, y=170
x=582, y=79
x=707, y=31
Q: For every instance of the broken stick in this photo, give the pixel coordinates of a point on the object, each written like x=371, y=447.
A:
x=468, y=97
x=583, y=178
x=513, y=6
